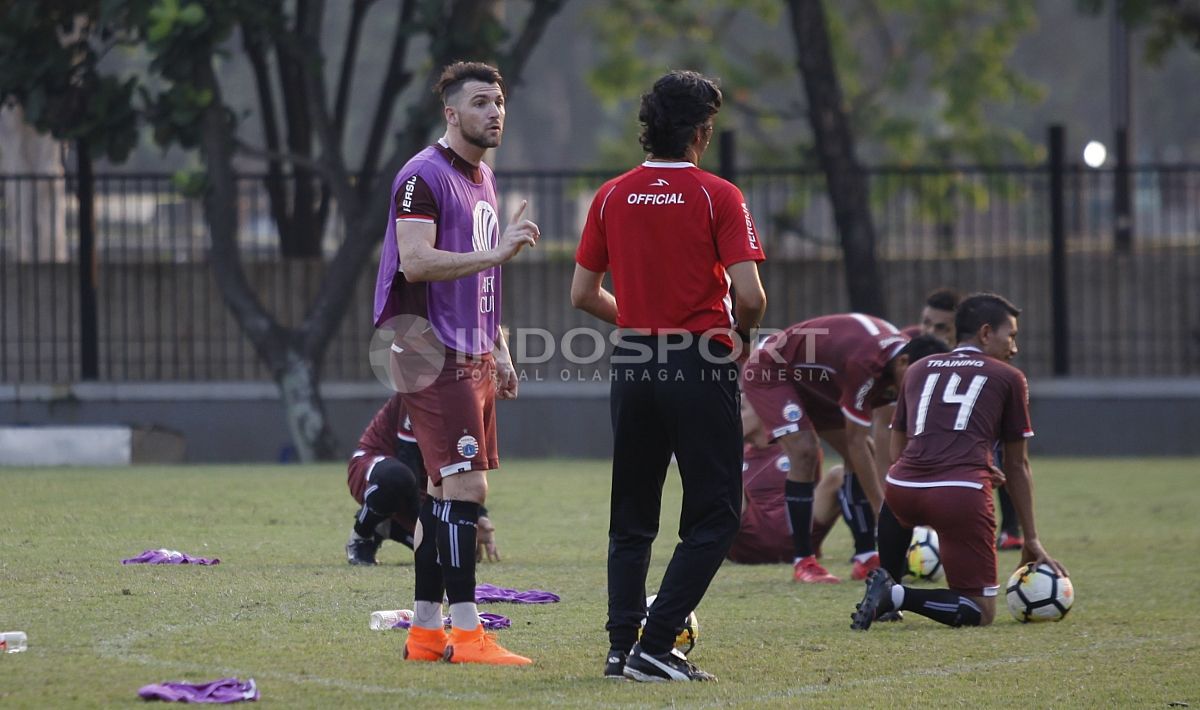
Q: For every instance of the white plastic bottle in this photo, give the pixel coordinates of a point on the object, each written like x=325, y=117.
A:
x=381, y=620
x=13, y=641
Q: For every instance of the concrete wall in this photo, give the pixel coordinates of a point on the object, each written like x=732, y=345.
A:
x=226, y=422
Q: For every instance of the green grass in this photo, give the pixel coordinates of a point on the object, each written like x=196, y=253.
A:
x=284, y=608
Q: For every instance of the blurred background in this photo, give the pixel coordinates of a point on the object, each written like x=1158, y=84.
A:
x=193, y=194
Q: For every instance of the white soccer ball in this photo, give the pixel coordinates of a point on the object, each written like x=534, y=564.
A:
x=924, y=555
x=685, y=641
x=1037, y=593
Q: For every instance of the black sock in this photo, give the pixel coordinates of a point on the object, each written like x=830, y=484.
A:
x=426, y=570
x=1008, y=514
x=944, y=606
x=894, y=540
x=366, y=521
x=856, y=511
x=456, y=532
x=799, y=498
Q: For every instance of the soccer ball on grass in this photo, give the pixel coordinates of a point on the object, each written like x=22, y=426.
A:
x=1037, y=593
x=686, y=640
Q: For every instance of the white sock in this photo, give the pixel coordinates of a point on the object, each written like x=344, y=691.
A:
x=427, y=615
x=864, y=556
x=897, y=596
x=464, y=615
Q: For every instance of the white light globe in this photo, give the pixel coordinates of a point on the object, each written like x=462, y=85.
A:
x=1094, y=154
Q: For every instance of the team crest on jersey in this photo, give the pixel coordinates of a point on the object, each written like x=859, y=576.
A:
x=468, y=447
x=791, y=412
x=783, y=463
x=485, y=232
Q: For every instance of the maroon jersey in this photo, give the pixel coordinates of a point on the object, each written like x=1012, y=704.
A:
x=954, y=407
x=765, y=534
x=839, y=359
x=911, y=331
x=390, y=423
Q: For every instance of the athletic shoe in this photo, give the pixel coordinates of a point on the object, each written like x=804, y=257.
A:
x=478, y=646
x=893, y=615
x=809, y=571
x=879, y=590
x=1008, y=541
x=361, y=550
x=614, y=666
x=656, y=668
x=862, y=569
x=425, y=644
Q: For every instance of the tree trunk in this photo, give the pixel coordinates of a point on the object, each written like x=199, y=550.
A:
x=304, y=409
x=844, y=177
x=295, y=370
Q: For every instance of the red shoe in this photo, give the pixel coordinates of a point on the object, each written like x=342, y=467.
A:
x=477, y=646
x=862, y=569
x=425, y=644
x=809, y=571
x=1010, y=542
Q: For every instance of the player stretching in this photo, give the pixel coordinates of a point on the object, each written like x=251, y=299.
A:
x=951, y=410
x=830, y=377
x=440, y=266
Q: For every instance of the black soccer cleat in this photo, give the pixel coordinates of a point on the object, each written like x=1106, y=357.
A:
x=878, y=593
x=360, y=551
x=655, y=668
x=614, y=665
x=893, y=615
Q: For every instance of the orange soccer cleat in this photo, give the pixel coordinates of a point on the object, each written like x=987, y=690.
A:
x=425, y=644
x=809, y=571
x=478, y=646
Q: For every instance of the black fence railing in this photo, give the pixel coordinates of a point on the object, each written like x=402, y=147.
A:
x=1128, y=312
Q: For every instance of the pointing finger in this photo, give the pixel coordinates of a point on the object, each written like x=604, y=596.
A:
x=520, y=210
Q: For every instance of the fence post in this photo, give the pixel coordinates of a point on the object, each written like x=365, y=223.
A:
x=1058, y=250
x=89, y=340
x=728, y=153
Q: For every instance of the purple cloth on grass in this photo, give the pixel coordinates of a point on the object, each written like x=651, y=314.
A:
x=225, y=690
x=485, y=593
x=169, y=557
x=491, y=622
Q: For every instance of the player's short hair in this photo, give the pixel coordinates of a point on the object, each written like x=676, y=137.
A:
x=924, y=346
x=943, y=299
x=680, y=102
x=455, y=75
x=980, y=309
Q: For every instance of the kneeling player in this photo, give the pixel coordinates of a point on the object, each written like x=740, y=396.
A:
x=386, y=476
x=950, y=410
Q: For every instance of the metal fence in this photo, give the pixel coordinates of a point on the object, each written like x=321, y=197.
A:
x=1128, y=312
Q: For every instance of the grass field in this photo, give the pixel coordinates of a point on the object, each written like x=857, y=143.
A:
x=284, y=608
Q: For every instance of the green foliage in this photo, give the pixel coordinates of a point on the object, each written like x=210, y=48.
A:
x=1167, y=22
x=917, y=76
x=284, y=608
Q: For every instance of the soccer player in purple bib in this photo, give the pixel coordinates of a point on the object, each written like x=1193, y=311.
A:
x=951, y=410
x=440, y=270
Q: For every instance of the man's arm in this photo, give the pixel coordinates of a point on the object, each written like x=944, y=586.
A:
x=881, y=437
x=422, y=261
x=862, y=462
x=506, y=374
x=751, y=299
x=1020, y=490
x=589, y=295
x=896, y=446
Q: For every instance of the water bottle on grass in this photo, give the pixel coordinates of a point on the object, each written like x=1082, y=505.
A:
x=381, y=620
x=13, y=642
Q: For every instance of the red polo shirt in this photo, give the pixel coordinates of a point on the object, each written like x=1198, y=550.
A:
x=667, y=232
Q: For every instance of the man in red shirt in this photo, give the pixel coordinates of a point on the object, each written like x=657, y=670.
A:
x=674, y=238
x=830, y=378
x=386, y=477
x=951, y=410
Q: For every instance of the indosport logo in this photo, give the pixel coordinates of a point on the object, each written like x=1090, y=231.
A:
x=405, y=354
x=485, y=230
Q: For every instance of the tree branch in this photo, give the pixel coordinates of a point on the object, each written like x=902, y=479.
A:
x=513, y=63
x=253, y=44
x=346, y=75
x=394, y=82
